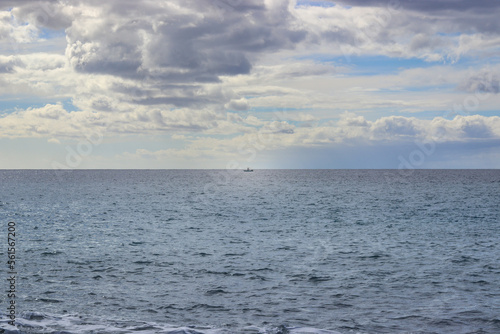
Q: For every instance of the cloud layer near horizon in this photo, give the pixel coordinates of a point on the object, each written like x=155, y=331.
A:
x=205, y=77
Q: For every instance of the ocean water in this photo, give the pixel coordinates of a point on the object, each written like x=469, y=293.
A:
x=273, y=251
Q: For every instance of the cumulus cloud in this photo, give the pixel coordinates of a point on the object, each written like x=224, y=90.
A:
x=392, y=129
x=159, y=53
x=50, y=121
x=173, y=41
x=53, y=120
x=395, y=130
x=351, y=132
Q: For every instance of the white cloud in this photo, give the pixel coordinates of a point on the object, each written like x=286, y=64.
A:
x=54, y=141
x=350, y=129
x=239, y=105
x=352, y=137
x=8, y=64
x=12, y=32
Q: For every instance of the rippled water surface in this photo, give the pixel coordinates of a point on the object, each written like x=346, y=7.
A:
x=273, y=251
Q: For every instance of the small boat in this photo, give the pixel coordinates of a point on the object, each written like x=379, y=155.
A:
x=248, y=170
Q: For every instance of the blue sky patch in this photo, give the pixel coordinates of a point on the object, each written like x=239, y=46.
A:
x=324, y=4
x=9, y=106
x=50, y=34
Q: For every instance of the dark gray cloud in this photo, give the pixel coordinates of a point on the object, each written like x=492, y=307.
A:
x=484, y=82
x=178, y=101
x=8, y=4
x=240, y=105
x=166, y=44
x=178, y=43
x=424, y=42
x=42, y=13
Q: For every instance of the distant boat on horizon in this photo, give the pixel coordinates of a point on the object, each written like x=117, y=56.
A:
x=248, y=170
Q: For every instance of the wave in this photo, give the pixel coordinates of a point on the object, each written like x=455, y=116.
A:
x=43, y=323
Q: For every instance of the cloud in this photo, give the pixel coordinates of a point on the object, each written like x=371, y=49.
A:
x=14, y=32
x=485, y=81
x=53, y=120
x=157, y=53
x=50, y=121
x=54, y=141
x=431, y=30
x=240, y=105
x=8, y=4
x=396, y=130
x=292, y=70
x=351, y=142
x=352, y=129
x=168, y=54
x=428, y=6
x=172, y=41
x=426, y=42
x=52, y=14
x=8, y=64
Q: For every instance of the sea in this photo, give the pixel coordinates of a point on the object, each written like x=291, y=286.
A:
x=269, y=251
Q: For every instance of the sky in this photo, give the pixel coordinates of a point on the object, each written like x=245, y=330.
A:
x=261, y=83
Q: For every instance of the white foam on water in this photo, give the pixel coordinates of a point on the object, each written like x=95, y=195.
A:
x=305, y=330
x=37, y=323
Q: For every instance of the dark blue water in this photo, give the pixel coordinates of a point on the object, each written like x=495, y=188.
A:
x=273, y=251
